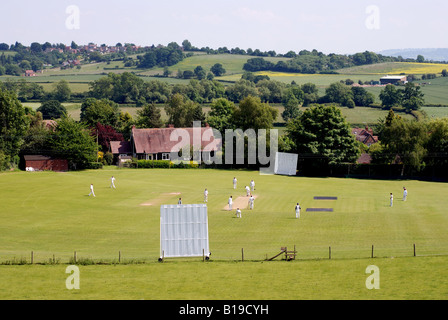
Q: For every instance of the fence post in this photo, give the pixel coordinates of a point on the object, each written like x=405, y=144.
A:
x=74, y=257
x=242, y=254
x=119, y=256
x=32, y=257
x=414, y=249
x=329, y=253
x=372, y=250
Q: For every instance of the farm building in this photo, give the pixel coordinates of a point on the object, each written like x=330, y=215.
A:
x=29, y=73
x=393, y=80
x=41, y=163
x=157, y=143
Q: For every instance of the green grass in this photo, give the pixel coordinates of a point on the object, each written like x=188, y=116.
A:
x=50, y=214
x=413, y=278
x=233, y=63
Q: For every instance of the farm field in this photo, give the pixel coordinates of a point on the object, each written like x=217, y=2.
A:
x=52, y=215
x=396, y=68
x=435, y=90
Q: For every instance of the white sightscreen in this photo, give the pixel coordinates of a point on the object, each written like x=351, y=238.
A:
x=183, y=230
x=285, y=163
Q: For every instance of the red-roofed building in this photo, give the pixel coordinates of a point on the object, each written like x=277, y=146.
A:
x=158, y=143
x=122, y=151
x=365, y=136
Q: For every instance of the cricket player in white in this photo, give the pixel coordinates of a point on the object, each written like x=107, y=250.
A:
x=180, y=201
x=251, y=202
x=252, y=185
x=298, y=211
x=405, y=193
x=112, y=182
x=230, y=203
x=247, y=191
x=238, y=213
x=234, y=182
x=91, y=190
x=391, y=200
x=205, y=195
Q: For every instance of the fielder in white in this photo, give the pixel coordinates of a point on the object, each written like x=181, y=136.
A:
x=112, y=182
x=234, y=182
x=405, y=194
x=298, y=211
x=91, y=190
x=238, y=213
x=391, y=199
x=179, y=201
x=230, y=203
x=247, y=191
x=252, y=185
x=251, y=202
x=205, y=195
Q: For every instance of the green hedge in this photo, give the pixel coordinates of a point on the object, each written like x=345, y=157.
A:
x=95, y=165
x=164, y=164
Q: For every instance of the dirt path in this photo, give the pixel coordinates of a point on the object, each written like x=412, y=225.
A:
x=162, y=199
x=241, y=202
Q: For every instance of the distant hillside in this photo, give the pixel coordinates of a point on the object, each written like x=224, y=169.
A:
x=434, y=54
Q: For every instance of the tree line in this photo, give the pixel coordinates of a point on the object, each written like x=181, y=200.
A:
x=316, y=62
x=320, y=134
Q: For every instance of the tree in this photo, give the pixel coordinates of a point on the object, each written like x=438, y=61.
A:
x=437, y=143
x=292, y=99
x=291, y=110
x=71, y=140
x=361, y=97
x=149, y=117
x=240, y=90
x=311, y=93
x=420, y=58
x=413, y=98
x=105, y=134
x=200, y=73
x=390, y=96
x=181, y=111
x=404, y=142
x=217, y=69
x=338, y=93
x=13, y=125
x=444, y=73
x=103, y=111
x=52, y=109
x=35, y=47
x=251, y=113
x=322, y=137
x=220, y=115
x=61, y=91
x=186, y=45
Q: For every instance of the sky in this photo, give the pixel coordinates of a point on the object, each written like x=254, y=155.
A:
x=345, y=26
